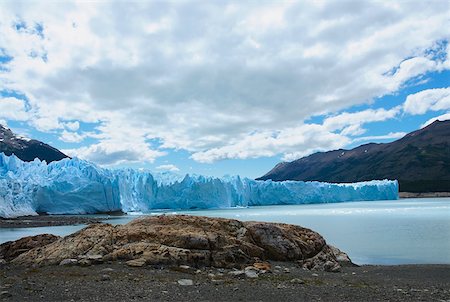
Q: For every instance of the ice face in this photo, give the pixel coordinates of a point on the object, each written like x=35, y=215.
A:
x=74, y=186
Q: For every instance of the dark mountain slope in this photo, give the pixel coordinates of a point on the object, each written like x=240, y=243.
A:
x=27, y=149
x=420, y=161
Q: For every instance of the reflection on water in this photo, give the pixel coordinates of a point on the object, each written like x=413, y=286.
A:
x=380, y=232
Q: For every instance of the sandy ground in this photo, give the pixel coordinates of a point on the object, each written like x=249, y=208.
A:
x=118, y=282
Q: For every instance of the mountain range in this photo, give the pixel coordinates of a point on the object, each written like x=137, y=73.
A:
x=27, y=149
x=420, y=161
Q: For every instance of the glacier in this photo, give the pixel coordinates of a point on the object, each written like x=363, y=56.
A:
x=75, y=186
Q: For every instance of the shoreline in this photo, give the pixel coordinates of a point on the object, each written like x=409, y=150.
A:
x=407, y=195
x=286, y=282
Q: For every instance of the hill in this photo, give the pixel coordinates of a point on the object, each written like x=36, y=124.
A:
x=27, y=149
x=420, y=161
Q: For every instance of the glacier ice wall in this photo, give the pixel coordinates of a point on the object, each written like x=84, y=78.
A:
x=74, y=186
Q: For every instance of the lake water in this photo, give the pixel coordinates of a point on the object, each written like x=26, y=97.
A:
x=376, y=232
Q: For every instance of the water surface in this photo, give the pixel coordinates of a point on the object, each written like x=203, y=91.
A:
x=403, y=231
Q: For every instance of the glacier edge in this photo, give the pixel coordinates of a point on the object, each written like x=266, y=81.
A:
x=74, y=186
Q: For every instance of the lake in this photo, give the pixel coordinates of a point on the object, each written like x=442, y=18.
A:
x=406, y=231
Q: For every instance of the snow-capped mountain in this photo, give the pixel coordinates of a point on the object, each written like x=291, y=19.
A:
x=27, y=149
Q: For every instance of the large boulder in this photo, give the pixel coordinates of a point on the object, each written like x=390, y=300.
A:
x=11, y=249
x=189, y=240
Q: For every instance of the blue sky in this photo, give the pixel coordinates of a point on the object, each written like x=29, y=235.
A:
x=220, y=88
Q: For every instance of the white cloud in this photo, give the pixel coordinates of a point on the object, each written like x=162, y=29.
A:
x=12, y=108
x=390, y=136
x=71, y=137
x=427, y=100
x=442, y=117
x=168, y=167
x=220, y=81
x=73, y=126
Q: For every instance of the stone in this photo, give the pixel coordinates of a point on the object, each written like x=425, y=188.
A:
x=68, y=262
x=11, y=249
x=5, y=294
x=237, y=273
x=262, y=266
x=251, y=272
x=136, y=262
x=84, y=262
x=185, y=282
x=341, y=257
x=297, y=281
x=105, y=277
x=286, y=270
x=108, y=269
x=183, y=240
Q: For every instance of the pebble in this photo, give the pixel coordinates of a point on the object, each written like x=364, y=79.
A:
x=185, y=282
x=315, y=275
x=297, y=281
x=108, y=269
x=286, y=270
x=136, y=262
x=251, y=272
x=5, y=294
x=105, y=278
x=237, y=273
x=68, y=262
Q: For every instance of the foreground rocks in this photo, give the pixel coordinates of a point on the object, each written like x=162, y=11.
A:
x=185, y=240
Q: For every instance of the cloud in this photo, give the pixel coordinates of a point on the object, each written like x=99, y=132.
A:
x=12, y=108
x=442, y=117
x=390, y=135
x=71, y=137
x=427, y=100
x=233, y=80
x=168, y=167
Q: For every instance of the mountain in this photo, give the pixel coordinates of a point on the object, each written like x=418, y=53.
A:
x=420, y=161
x=27, y=149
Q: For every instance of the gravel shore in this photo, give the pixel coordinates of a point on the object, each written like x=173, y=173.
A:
x=286, y=282
x=47, y=220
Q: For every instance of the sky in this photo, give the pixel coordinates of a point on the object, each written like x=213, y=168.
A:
x=220, y=87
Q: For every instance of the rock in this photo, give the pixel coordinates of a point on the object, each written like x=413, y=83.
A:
x=185, y=282
x=286, y=270
x=105, y=278
x=2, y=262
x=68, y=262
x=315, y=275
x=325, y=260
x=184, y=240
x=341, y=257
x=237, y=273
x=262, y=266
x=251, y=272
x=136, y=262
x=85, y=262
x=297, y=281
x=108, y=269
x=11, y=249
x=5, y=294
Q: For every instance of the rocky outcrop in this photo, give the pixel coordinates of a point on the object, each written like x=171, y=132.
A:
x=11, y=249
x=188, y=240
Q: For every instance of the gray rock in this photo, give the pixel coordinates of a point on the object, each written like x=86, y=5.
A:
x=239, y=273
x=84, y=262
x=297, y=281
x=5, y=294
x=105, y=277
x=251, y=272
x=69, y=262
x=108, y=269
x=185, y=282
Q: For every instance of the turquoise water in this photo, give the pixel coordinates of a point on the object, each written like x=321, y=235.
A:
x=376, y=232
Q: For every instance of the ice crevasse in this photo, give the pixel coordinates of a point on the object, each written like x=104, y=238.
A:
x=74, y=186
